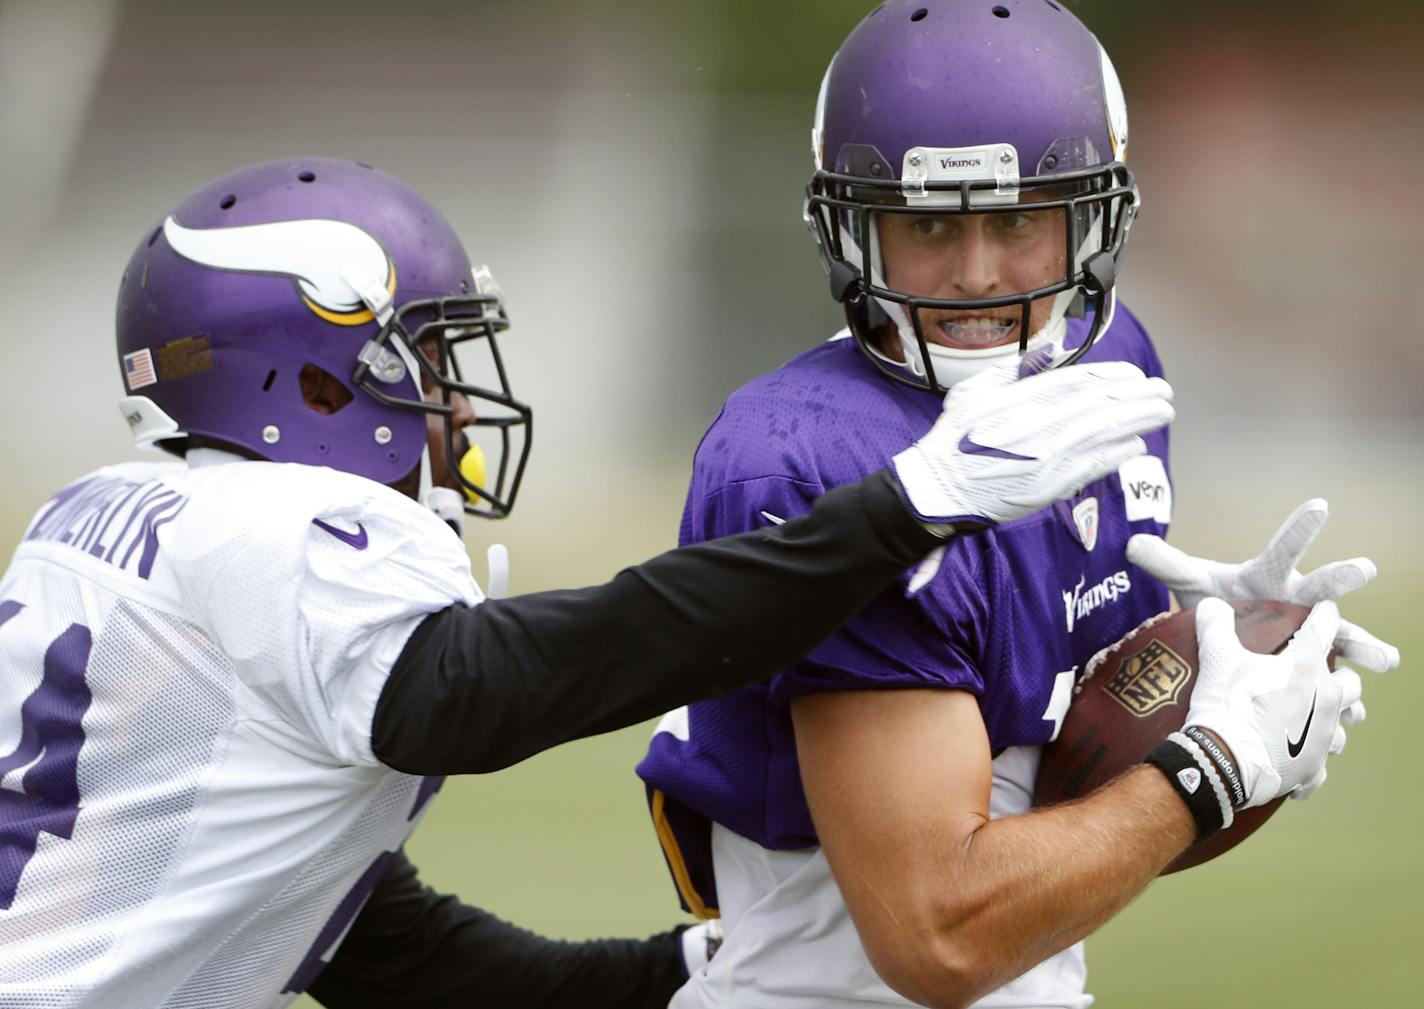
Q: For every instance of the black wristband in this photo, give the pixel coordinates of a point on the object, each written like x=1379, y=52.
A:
x=1182, y=770
x=1223, y=763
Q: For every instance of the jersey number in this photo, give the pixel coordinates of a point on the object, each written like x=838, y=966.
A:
x=45, y=797
x=1061, y=697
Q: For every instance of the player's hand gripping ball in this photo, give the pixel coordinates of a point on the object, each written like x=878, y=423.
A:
x=1134, y=693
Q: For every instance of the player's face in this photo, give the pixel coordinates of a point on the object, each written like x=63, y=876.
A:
x=974, y=256
x=442, y=472
x=442, y=469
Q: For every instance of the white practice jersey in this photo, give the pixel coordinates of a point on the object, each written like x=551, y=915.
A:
x=190, y=658
x=789, y=941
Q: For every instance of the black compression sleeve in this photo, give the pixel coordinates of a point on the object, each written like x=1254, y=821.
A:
x=413, y=948
x=477, y=689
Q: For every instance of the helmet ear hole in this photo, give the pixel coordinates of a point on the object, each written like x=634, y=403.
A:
x=322, y=391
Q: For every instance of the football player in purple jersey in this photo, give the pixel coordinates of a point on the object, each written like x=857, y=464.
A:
x=861, y=822
x=230, y=682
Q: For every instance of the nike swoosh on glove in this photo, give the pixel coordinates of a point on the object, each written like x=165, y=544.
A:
x=1280, y=715
x=1005, y=447
x=1272, y=574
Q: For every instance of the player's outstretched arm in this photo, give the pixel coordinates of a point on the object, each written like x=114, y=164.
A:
x=951, y=905
x=480, y=688
x=415, y=948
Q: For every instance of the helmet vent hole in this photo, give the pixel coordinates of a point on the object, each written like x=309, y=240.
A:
x=267, y=385
x=1053, y=5
x=307, y=176
x=227, y=202
x=154, y=237
x=919, y=15
x=1001, y=12
x=322, y=391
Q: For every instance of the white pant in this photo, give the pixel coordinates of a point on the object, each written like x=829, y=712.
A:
x=790, y=942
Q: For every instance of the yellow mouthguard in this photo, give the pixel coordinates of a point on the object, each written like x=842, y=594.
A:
x=472, y=468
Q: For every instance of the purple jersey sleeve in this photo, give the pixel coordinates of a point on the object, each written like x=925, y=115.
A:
x=892, y=644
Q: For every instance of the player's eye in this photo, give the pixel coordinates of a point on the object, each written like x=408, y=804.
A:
x=1015, y=222
x=929, y=226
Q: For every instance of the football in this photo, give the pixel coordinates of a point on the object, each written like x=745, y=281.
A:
x=1134, y=693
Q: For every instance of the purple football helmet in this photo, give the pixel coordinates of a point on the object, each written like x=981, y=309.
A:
x=943, y=118
x=278, y=272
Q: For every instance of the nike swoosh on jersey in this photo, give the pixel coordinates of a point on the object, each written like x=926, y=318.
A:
x=358, y=539
x=1294, y=747
x=970, y=447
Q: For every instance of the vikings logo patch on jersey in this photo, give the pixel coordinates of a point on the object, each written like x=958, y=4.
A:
x=1085, y=517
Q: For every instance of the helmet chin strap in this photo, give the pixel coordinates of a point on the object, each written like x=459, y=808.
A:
x=952, y=365
x=446, y=503
x=449, y=506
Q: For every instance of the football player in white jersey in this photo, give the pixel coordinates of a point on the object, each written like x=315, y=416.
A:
x=229, y=683
x=862, y=821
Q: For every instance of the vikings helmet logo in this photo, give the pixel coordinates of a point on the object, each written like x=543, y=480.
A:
x=1116, y=107
x=321, y=256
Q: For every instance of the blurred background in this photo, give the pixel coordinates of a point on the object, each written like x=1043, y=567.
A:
x=632, y=171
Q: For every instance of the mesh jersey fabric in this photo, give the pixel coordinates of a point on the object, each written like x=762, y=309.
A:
x=226, y=810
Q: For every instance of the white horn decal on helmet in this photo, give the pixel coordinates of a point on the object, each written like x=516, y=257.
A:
x=1116, y=104
x=317, y=254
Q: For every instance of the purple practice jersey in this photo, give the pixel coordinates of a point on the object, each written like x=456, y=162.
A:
x=1009, y=614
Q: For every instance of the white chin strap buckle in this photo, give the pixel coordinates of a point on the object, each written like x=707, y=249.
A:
x=449, y=506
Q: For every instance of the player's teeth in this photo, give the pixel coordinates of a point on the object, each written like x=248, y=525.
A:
x=976, y=331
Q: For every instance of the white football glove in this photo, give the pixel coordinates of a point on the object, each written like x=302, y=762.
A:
x=1272, y=575
x=1005, y=447
x=700, y=944
x=1279, y=715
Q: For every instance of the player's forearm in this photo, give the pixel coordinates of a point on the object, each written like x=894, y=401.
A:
x=478, y=689
x=417, y=949
x=1019, y=889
